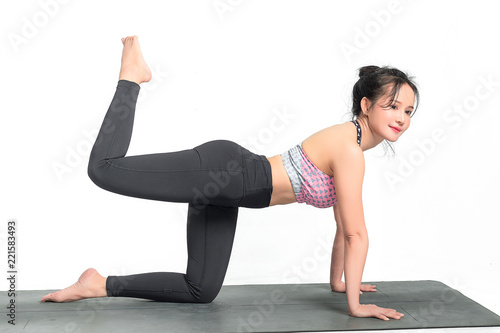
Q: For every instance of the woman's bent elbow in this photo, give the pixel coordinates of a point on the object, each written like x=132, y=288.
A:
x=356, y=238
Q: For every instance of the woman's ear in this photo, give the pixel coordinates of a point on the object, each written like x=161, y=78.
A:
x=365, y=105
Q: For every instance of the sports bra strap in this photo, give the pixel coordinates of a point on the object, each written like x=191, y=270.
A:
x=358, y=128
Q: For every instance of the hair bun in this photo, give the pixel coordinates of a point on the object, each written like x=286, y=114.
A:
x=366, y=70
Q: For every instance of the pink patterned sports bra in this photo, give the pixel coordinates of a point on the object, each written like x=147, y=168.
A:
x=310, y=184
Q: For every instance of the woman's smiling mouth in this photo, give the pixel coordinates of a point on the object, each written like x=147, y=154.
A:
x=395, y=129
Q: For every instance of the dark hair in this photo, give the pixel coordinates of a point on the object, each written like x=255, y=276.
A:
x=373, y=83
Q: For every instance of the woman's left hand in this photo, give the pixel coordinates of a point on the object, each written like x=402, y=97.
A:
x=340, y=287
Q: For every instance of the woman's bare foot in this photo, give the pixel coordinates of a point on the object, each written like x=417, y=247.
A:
x=134, y=67
x=90, y=284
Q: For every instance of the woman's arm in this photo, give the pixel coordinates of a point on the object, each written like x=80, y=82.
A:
x=337, y=265
x=348, y=169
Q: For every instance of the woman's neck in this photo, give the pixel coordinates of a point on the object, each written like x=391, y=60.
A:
x=369, y=139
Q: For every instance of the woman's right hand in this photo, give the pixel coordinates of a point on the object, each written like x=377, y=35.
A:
x=371, y=310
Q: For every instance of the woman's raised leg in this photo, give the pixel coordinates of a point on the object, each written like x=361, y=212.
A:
x=179, y=176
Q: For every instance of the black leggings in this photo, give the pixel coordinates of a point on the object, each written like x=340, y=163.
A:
x=215, y=178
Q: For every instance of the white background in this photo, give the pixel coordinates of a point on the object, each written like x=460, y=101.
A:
x=226, y=74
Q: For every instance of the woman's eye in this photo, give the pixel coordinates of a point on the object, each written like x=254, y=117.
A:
x=408, y=112
x=394, y=106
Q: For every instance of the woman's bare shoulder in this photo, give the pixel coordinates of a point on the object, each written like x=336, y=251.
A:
x=332, y=145
x=345, y=149
x=334, y=137
x=335, y=133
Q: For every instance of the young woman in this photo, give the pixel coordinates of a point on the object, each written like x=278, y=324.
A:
x=217, y=177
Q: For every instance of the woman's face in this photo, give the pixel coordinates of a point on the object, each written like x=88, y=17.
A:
x=389, y=122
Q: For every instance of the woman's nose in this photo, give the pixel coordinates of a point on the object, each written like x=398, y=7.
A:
x=401, y=118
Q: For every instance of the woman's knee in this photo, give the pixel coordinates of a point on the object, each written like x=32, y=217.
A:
x=203, y=293
x=207, y=296
x=97, y=172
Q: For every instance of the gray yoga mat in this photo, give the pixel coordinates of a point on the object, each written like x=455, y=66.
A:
x=254, y=308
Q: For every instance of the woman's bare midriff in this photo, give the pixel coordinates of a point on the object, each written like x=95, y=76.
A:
x=282, y=187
